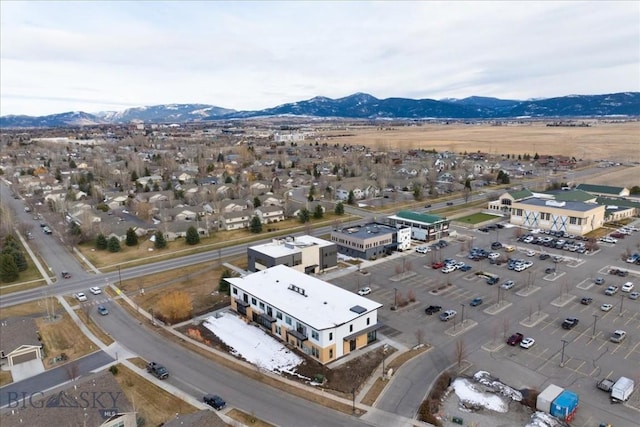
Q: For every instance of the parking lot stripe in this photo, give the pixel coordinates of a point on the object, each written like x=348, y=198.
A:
x=633, y=349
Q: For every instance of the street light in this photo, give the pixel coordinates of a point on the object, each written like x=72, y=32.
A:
x=621, y=301
x=462, y=317
x=395, y=298
x=564, y=342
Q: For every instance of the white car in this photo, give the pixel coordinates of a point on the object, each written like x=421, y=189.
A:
x=364, y=291
x=531, y=253
x=527, y=342
x=520, y=267
x=80, y=296
x=448, y=268
x=627, y=287
x=508, y=284
x=634, y=295
x=494, y=255
x=423, y=249
x=606, y=307
x=95, y=290
x=608, y=240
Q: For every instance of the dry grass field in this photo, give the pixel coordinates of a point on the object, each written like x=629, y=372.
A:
x=616, y=141
x=63, y=336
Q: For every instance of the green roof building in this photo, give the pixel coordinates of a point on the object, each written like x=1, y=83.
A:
x=424, y=226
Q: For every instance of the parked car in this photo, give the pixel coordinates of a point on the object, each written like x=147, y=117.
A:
x=157, y=370
x=475, y=302
x=508, y=284
x=432, y=309
x=515, y=339
x=423, y=249
x=493, y=280
x=364, y=291
x=618, y=336
x=496, y=245
x=448, y=269
x=448, y=315
x=449, y=203
x=531, y=253
x=95, y=290
x=465, y=267
x=436, y=265
x=65, y=275
x=80, y=296
x=586, y=300
x=570, y=323
x=215, y=401
x=527, y=342
x=103, y=310
x=611, y=290
x=599, y=281
x=634, y=295
x=627, y=287
x=606, y=307
x=549, y=270
x=494, y=255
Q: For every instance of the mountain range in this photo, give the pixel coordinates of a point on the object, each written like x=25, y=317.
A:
x=356, y=106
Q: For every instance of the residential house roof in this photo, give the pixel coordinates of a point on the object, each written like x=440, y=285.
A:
x=322, y=306
x=18, y=331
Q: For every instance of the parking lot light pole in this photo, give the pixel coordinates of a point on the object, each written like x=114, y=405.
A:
x=595, y=319
x=462, y=317
x=564, y=342
x=621, y=302
x=395, y=298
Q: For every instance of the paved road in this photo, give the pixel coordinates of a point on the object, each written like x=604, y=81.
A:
x=51, y=378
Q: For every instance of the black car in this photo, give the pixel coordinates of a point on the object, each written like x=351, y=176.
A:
x=427, y=206
x=432, y=309
x=586, y=300
x=569, y=323
x=449, y=203
x=496, y=245
x=549, y=270
x=214, y=401
x=475, y=302
x=544, y=256
x=492, y=280
x=65, y=275
x=483, y=229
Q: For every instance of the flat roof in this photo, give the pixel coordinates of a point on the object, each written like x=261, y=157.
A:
x=367, y=230
x=287, y=246
x=322, y=306
x=423, y=218
x=567, y=205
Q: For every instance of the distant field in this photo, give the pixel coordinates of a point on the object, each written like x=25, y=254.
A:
x=616, y=141
x=477, y=218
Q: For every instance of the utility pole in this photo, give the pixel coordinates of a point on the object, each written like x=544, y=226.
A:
x=462, y=317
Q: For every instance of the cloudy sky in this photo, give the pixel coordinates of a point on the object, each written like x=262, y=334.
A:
x=102, y=56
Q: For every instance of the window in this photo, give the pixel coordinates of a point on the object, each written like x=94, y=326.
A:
x=262, y=305
x=368, y=321
x=315, y=352
x=253, y=301
x=287, y=319
x=573, y=220
x=331, y=354
x=330, y=336
x=278, y=315
x=278, y=330
x=235, y=291
x=315, y=335
x=350, y=328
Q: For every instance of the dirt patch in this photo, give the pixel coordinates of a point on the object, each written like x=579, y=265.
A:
x=153, y=404
x=5, y=378
x=62, y=335
x=247, y=419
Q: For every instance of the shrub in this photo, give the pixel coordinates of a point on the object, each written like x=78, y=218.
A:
x=113, y=369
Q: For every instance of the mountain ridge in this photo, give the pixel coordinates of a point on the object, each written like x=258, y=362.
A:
x=356, y=106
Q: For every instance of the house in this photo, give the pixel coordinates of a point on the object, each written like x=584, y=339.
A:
x=19, y=341
x=235, y=220
x=304, y=253
x=269, y=214
x=92, y=400
x=322, y=320
x=425, y=227
x=371, y=240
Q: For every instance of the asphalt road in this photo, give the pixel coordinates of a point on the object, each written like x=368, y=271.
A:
x=14, y=392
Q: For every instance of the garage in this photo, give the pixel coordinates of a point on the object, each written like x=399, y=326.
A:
x=23, y=354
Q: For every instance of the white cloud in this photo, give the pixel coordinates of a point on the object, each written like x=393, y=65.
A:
x=248, y=55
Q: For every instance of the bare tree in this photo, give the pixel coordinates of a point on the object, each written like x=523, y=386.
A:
x=72, y=370
x=460, y=351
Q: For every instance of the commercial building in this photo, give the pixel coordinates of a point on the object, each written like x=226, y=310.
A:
x=371, y=240
x=426, y=227
x=572, y=217
x=604, y=190
x=304, y=253
x=322, y=320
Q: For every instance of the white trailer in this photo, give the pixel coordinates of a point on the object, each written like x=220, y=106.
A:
x=547, y=396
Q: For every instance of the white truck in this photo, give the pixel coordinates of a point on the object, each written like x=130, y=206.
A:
x=622, y=389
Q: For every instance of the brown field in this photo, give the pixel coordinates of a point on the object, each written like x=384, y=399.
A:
x=63, y=336
x=154, y=404
x=615, y=141
x=5, y=378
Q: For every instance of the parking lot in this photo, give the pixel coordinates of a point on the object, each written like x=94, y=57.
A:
x=535, y=306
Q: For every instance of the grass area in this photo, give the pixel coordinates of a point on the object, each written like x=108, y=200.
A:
x=247, y=419
x=7, y=289
x=477, y=218
x=5, y=378
x=62, y=335
x=375, y=391
x=154, y=404
x=87, y=318
x=33, y=308
x=139, y=362
x=406, y=356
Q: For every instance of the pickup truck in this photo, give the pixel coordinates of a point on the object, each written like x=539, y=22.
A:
x=157, y=370
x=605, y=384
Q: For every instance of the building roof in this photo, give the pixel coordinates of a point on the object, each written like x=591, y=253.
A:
x=424, y=218
x=600, y=189
x=520, y=194
x=556, y=204
x=322, y=306
x=617, y=202
x=289, y=245
x=17, y=331
x=65, y=406
x=367, y=230
x=571, y=195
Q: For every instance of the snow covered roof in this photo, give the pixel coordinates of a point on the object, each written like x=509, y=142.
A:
x=315, y=302
x=286, y=246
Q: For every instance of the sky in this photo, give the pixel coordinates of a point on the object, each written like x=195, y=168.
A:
x=109, y=56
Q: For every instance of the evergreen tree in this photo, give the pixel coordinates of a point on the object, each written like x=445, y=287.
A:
x=312, y=193
x=134, y=176
x=339, y=209
x=72, y=164
x=132, y=237
x=8, y=269
x=304, y=215
x=20, y=260
x=160, y=242
x=101, y=242
x=193, y=238
x=256, y=225
x=256, y=202
x=351, y=199
x=318, y=213
x=223, y=285
x=467, y=183
x=114, y=244
x=220, y=158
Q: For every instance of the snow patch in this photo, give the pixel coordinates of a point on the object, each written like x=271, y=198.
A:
x=470, y=395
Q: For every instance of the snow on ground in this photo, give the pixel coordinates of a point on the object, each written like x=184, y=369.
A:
x=468, y=393
x=494, y=384
x=541, y=419
x=342, y=257
x=252, y=344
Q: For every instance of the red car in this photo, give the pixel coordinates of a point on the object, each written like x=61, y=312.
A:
x=437, y=265
x=515, y=339
x=617, y=235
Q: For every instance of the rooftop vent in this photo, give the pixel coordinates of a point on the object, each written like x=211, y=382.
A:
x=555, y=203
x=297, y=289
